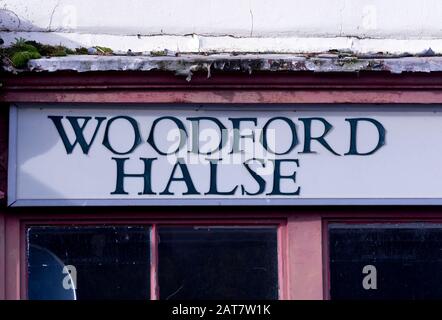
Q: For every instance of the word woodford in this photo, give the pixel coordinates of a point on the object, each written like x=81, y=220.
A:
x=191, y=138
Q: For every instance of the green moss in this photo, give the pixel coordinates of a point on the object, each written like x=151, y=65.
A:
x=20, y=59
x=159, y=53
x=22, y=51
x=69, y=51
x=47, y=51
x=43, y=49
x=25, y=47
x=22, y=45
x=104, y=50
x=81, y=50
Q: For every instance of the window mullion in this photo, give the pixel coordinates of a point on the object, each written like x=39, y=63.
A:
x=154, y=289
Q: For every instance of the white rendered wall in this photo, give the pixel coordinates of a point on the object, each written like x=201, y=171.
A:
x=394, y=26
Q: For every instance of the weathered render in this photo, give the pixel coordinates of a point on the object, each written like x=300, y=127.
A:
x=208, y=26
x=187, y=64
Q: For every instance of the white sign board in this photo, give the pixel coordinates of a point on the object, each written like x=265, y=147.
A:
x=233, y=155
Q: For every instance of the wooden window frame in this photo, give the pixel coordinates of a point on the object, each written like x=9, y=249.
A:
x=17, y=224
x=399, y=214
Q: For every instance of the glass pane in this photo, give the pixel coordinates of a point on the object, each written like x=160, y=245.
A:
x=401, y=261
x=218, y=263
x=103, y=262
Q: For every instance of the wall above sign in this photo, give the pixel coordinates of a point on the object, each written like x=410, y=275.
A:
x=218, y=155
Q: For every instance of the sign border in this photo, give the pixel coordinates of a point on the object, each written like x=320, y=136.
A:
x=12, y=157
x=12, y=200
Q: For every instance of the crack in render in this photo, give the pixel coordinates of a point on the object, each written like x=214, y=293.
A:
x=341, y=13
x=52, y=15
x=201, y=35
x=15, y=14
x=251, y=17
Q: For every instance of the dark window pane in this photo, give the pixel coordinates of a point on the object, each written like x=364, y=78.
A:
x=218, y=263
x=111, y=262
x=407, y=259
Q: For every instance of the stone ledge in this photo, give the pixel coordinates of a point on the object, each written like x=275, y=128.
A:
x=186, y=65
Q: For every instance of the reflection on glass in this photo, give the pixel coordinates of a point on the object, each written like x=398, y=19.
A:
x=385, y=261
x=48, y=276
x=103, y=262
x=218, y=263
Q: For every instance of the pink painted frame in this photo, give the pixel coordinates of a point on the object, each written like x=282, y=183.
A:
x=302, y=232
x=2, y=257
x=384, y=215
x=17, y=224
x=302, y=239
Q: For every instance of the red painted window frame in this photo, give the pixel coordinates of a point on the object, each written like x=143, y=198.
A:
x=302, y=235
x=293, y=230
x=401, y=214
x=154, y=224
x=16, y=265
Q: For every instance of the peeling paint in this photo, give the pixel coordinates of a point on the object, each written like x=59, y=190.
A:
x=186, y=65
x=52, y=15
